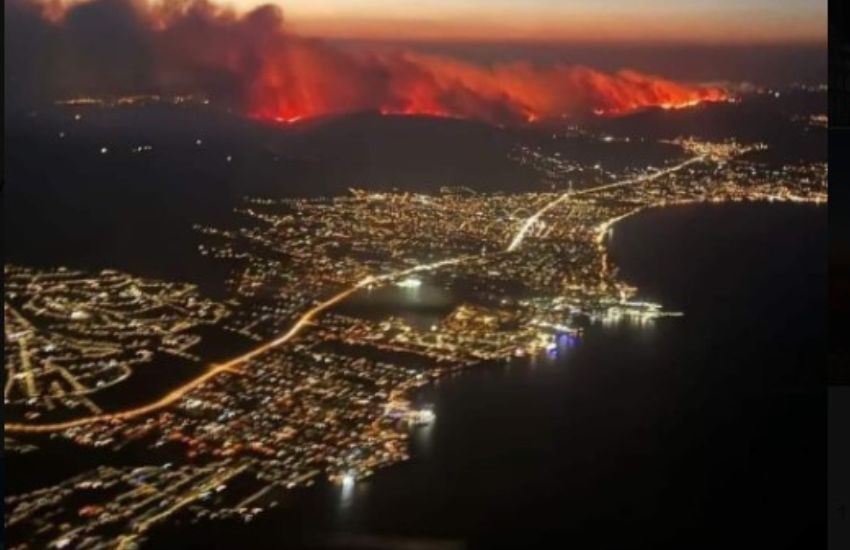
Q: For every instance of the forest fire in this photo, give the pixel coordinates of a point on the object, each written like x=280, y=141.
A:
x=254, y=62
x=289, y=88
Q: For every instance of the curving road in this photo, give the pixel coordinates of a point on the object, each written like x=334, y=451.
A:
x=531, y=220
x=306, y=319
x=175, y=395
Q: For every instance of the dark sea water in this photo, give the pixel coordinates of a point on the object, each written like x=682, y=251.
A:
x=704, y=431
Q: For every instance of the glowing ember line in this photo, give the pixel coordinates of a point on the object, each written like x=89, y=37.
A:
x=254, y=62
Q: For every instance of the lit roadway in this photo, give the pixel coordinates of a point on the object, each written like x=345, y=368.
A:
x=176, y=394
x=531, y=220
x=306, y=319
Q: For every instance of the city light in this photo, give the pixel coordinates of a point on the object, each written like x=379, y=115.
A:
x=410, y=282
x=312, y=391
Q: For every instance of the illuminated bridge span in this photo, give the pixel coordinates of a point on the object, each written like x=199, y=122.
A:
x=534, y=218
x=175, y=395
x=307, y=318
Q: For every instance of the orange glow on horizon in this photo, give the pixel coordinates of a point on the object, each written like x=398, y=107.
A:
x=562, y=21
x=614, y=21
x=301, y=82
x=588, y=30
x=274, y=74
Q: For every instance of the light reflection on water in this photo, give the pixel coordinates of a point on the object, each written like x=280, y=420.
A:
x=423, y=439
x=420, y=306
x=346, y=492
x=427, y=304
x=351, y=494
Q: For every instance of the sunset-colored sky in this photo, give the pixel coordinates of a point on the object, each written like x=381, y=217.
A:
x=718, y=21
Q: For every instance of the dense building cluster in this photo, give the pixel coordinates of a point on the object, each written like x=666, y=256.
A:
x=70, y=334
x=326, y=392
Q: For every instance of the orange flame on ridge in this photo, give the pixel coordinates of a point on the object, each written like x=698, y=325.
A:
x=273, y=74
x=301, y=84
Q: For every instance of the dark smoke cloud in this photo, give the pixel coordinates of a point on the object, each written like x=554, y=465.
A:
x=104, y=46
x=250, y=61
x=109, y=47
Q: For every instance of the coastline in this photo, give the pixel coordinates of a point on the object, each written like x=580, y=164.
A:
x=421, y=472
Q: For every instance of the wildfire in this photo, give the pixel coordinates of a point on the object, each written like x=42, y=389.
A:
x=273, y=74
x=303, y=83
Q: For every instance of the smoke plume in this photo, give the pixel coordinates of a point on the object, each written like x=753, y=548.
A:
x=253, y=62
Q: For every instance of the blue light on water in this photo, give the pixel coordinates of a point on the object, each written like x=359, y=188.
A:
x=566, y=340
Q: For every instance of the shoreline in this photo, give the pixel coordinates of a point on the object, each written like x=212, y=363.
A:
x=414, y=392
x=322, y=493
x=306, y=319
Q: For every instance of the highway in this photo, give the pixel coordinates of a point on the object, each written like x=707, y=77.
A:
x=175, y=395
x=563, y=197
x=306, y=319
